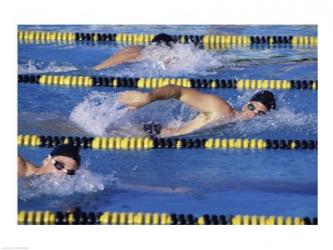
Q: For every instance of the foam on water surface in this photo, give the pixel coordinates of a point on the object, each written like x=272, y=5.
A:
x=84, y=181
x=34, y=67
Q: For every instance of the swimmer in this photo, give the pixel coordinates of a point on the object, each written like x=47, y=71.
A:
x=134, y=53
x=212, y=108
x=63, y=159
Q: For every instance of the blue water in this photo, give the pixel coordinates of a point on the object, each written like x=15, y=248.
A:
x=271, y=182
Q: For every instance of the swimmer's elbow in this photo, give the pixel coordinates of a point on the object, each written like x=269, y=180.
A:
x=166, y=92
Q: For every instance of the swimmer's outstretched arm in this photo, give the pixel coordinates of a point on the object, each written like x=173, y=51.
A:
x=211, y=107
x=129, y=54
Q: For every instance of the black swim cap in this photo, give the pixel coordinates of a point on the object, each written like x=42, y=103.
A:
x=67, y=150
x=163, y=39
x=266, y=98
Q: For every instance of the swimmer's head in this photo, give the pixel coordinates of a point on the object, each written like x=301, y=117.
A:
x=163, y=39
x=259, y=104
x=64, y=158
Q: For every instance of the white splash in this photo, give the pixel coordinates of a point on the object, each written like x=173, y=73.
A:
x=83, y=181
x=97, y=112
x=182, y=58
x=31, y=66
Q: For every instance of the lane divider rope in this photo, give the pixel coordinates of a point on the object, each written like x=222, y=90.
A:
x=107, y=44
x=208, y=41
x=77, y=217
x=152, y=83
x=146, y=143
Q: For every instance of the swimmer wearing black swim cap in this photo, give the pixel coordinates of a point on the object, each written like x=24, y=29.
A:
x=163, y=39
x=63, y=159
x=133, y=53
x=211, y=108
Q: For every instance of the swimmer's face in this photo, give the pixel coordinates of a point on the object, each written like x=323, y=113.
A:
x=252, y=109
x=67, y=162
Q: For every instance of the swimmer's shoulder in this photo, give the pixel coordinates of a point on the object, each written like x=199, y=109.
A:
x=21, y=166
x=226, y=114
x=136, y=48
x=25, y=168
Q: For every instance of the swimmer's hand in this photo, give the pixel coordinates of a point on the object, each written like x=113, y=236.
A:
x=97, y=67
x=134, y=99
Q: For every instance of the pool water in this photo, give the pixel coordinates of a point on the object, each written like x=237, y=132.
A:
x=198, y=181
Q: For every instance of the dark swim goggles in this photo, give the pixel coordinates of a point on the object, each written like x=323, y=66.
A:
x=60, y=166
x=252, y=108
